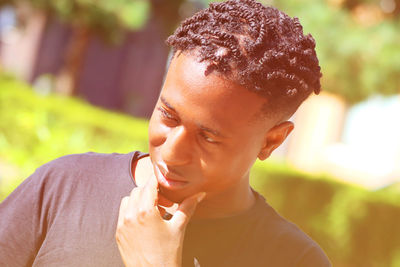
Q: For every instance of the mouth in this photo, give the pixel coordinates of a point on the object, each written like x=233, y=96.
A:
x=169, y=180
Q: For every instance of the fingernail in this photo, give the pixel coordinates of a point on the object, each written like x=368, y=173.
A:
x=201, y=196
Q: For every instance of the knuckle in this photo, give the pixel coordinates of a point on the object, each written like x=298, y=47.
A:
x=181, y=226
x=128, y=220
x=143, y=213
x=135, y=190
x=177, y=229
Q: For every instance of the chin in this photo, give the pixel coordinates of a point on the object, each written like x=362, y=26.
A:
x=175, y=196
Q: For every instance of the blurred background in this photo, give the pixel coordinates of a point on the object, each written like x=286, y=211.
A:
x=84, y=75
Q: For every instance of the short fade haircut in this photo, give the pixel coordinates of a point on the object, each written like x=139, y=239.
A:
x=259, y=47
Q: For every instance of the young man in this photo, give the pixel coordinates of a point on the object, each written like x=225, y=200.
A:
x=239, y=71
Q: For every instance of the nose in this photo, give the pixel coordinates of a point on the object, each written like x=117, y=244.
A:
x=176, y=149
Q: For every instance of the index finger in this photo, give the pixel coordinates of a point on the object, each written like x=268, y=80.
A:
x=150, y=192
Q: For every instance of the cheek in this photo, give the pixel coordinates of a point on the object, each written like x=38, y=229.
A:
x=215, y=167
x=229, y=166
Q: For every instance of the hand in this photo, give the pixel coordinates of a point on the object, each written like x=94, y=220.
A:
x=144, y=238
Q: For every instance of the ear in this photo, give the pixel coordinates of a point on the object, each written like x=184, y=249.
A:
x=274, y=138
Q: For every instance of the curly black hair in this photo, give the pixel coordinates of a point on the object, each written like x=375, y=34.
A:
x=261, y=48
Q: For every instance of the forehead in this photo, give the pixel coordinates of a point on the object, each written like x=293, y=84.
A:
x=211, y=97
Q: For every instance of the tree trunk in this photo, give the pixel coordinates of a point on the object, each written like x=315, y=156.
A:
x=68, y=77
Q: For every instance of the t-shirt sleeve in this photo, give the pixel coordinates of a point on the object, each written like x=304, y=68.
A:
x=22, y=222
x=314, y=256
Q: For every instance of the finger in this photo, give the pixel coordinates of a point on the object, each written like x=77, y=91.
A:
x=135, y=192
x=186, y=210
x=133, y=199
x=122, y=210
x=150, y=193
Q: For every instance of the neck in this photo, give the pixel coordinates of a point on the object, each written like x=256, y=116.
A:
x=230, y=203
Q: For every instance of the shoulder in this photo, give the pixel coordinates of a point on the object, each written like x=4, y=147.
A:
x=74, y=198
x=89, y=161
x=76, y=181
x=288, y=241
x=81, y=172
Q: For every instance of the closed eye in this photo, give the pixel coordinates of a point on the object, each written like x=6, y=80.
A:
x=208, y=138
x=167, y=115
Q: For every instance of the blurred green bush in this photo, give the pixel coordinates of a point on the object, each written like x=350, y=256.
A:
x=36, y=129
x=354, y=226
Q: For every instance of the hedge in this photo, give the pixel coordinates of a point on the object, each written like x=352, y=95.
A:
x=354, y=226
x=35, y=129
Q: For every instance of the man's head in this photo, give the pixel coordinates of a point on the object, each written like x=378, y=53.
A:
x=232, y=62
x=259, y=47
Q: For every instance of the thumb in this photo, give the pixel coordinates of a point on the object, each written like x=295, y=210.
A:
x=186, y=209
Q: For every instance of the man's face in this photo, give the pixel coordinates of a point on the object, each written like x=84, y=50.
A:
x=204, y=134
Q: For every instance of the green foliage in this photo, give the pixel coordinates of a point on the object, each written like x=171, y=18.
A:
x=36, y=129
x=106, y=18
x=98, y=12
x=135, y=13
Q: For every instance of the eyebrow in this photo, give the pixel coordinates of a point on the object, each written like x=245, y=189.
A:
x=206, y=129
x=165, y=102
x=201, y=127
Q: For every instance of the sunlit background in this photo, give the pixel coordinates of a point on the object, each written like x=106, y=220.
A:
x=84, y=75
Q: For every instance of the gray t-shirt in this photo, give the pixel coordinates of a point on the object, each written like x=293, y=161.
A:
x=65, y=214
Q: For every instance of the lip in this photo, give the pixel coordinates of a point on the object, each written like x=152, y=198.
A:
x=169, y=180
